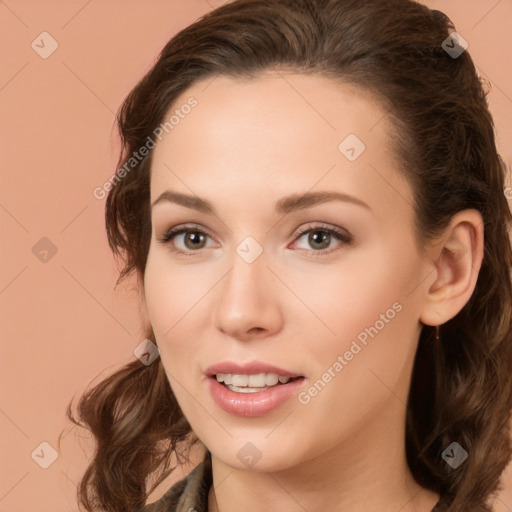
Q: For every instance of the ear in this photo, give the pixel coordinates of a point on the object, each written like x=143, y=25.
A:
x=454, y=261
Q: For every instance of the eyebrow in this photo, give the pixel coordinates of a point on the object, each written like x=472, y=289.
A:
x=285, y=205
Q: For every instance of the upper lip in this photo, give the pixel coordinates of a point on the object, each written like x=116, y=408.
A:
x=252, y=368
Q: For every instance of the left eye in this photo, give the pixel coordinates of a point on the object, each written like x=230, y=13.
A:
x=319, y=237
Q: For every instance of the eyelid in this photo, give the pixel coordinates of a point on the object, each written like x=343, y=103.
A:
x=179, y=229
x=320, y=226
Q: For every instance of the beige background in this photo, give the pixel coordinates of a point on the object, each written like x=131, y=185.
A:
x=61, y=321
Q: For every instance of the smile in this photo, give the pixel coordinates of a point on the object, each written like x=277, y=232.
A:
x=240, y=383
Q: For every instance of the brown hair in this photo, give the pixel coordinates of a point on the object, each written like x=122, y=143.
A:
x=461, y=390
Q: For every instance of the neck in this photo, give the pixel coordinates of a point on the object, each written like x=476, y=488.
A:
x=368, y=472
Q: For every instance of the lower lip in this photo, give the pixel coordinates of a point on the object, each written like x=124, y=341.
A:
x=252, y=404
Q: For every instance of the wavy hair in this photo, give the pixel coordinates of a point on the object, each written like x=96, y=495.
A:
x=461, y=388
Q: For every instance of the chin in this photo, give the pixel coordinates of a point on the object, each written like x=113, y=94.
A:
x=255, y=453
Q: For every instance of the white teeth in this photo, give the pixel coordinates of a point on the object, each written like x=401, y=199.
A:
x=271, y=379
x=251, y=383
x=245, y=390
x=240, y=380
x=257, y=381
x=227, y=378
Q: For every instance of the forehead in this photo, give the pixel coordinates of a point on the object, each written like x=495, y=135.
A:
x=274, y=108
x=275, y=132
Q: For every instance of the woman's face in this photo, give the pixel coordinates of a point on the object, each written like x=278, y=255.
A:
x=302, y=266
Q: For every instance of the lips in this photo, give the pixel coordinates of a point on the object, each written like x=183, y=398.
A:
x=252, y=389
x=255, y=381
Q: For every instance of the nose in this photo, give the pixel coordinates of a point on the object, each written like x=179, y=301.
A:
x=247, y=305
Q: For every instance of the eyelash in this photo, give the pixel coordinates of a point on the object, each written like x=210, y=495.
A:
x=341, y=236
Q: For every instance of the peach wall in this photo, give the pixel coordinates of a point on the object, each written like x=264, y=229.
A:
x=61, y=322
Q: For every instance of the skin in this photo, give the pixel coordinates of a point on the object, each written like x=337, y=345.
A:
x=247, y=144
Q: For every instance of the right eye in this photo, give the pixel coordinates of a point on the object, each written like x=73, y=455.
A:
x=193, y=240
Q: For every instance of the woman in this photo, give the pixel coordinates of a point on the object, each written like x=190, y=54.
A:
x=311, y=199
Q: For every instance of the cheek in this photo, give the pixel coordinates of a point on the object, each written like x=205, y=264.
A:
x=362, y=308
x=350, y=294
x=171, y=293
x=364, y=354
x=158, y=295
x=169, y=298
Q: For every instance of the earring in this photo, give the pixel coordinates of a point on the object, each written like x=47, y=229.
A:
x=437, y=334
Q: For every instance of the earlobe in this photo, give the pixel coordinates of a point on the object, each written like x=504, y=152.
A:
x=456, y=260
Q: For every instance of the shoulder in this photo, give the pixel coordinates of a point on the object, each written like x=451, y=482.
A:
x=190, y=493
